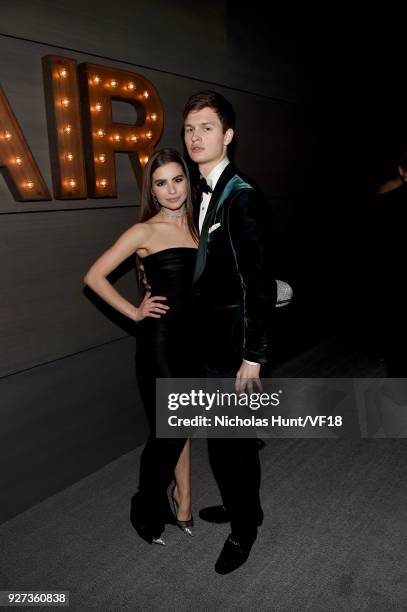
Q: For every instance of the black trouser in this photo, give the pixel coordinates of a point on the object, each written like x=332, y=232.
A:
x=236, y=466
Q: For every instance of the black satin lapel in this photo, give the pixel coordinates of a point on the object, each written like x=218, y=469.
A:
x=223, y=180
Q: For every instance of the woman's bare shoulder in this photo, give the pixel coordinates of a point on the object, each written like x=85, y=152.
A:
x=134, y=237
x=139, y=230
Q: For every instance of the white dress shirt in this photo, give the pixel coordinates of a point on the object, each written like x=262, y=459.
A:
x=212, y=179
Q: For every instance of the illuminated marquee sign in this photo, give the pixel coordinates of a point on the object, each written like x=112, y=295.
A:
x=83, y=138
x=22, y=174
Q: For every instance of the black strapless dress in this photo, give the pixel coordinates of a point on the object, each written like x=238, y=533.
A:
x=165, y=349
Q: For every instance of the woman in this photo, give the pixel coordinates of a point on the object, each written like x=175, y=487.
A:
x=165, y=240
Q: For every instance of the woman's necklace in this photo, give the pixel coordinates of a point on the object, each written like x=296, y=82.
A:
x=174, y=214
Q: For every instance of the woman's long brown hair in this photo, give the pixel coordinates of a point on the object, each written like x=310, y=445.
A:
x=149, y=207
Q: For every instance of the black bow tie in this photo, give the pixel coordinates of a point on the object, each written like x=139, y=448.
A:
x=203, y=186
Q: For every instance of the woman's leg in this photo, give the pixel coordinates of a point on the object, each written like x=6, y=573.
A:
x=150, y=506
x=182, y=490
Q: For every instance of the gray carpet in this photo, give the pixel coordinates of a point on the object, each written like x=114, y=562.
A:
x=335, y=537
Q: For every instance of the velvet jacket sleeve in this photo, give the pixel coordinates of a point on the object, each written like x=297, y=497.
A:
x=251, y=242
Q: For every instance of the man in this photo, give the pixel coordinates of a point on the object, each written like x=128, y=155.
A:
x=235, y=292
x=386, y=261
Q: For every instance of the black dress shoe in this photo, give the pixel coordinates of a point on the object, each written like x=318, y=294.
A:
x=215, y=514
x=235, y=552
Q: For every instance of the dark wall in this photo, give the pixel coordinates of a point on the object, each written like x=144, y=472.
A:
x=69, y=402
x=359, y=102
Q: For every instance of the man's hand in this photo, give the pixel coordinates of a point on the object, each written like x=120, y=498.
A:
x=247, y=376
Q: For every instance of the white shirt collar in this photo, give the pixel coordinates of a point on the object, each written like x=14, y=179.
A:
x=215, y=173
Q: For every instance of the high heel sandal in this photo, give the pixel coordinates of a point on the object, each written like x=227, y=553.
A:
x=185, y=526
x=158, y=541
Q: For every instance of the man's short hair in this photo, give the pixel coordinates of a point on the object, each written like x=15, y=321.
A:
x=215, y=101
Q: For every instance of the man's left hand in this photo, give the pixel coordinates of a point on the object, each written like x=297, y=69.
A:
x=247, y=376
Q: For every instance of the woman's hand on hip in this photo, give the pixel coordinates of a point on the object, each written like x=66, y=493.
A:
x=151, y=306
